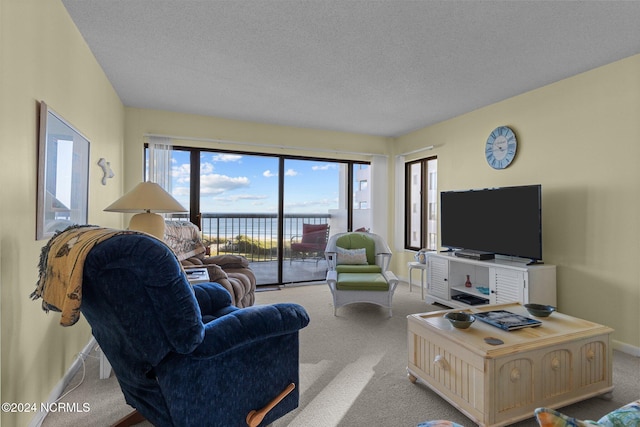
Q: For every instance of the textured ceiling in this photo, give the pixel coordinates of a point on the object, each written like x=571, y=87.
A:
x=372, y=67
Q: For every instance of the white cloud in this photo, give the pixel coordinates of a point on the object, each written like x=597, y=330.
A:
x=291, y=172
x=239, y=197
x=269, y=174
x=225, y=157
x=180, y=191
x=218, y=184
x=323, y=167
x=180, y=169
x=322, y=203
x=206, y=167
x=181, y=173
x=238, y=200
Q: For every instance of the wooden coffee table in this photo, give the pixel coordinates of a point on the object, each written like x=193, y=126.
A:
x=563, y=361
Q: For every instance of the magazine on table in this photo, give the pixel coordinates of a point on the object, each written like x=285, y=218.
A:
x=507, y=320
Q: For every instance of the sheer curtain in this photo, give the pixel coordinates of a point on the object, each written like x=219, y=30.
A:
x=160, y=161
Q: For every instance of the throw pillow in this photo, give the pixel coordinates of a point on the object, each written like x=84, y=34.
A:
x=351, y=256
x=551, y=418
x=628, y=415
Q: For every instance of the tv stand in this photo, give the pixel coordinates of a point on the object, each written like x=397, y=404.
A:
x=495, y=281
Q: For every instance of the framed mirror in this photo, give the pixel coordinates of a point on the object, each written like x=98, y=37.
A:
x=63, y=175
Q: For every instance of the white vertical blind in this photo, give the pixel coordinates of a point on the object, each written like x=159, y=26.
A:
x=160, y=161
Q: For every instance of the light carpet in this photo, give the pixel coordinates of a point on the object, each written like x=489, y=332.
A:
x=352, y=371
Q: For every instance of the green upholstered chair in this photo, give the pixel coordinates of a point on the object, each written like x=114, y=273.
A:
x=359, y=270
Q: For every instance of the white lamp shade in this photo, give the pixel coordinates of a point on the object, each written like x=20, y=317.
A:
x=146, y=197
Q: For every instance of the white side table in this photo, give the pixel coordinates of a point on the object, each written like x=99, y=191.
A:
x=423, y=270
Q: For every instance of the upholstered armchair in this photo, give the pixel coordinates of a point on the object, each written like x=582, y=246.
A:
x=184, y=355
x=231, y=271
x=359, y=270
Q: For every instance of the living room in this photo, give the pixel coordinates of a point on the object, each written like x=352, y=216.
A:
x=590, y=195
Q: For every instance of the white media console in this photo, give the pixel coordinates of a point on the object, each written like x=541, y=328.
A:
x=503, y=280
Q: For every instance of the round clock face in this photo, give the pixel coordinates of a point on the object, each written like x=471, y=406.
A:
x=501, y=147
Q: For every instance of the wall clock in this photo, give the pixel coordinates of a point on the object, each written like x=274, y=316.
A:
x=501, y=147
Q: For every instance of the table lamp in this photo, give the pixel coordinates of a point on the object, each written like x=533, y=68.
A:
x=147, y=199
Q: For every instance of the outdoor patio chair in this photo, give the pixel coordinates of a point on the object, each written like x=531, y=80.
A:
x=311, y=244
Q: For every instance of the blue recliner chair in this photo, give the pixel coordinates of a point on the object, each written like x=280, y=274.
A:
x=183, y=355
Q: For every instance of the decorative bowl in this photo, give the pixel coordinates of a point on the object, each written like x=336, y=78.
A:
x=540, y=310
x=460, y=320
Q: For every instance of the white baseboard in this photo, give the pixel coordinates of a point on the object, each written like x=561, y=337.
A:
x=64, y=382
x=626, y=348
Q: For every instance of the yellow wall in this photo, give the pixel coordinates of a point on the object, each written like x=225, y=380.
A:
x=199, y=131
x=580, y=139
x=565, y=130
x=43, y=57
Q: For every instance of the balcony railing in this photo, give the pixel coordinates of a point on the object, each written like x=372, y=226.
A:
x=254, y=236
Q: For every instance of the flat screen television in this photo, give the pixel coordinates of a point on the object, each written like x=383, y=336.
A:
x=504, y=220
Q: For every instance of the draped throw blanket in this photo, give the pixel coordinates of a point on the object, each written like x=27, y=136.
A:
x=184, y=238
x=61, y=267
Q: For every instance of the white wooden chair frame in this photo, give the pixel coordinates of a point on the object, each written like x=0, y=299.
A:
x=346, y=297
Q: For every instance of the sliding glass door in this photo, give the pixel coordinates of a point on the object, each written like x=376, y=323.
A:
x=239, y=201
x=277, y=211
x=315, y=205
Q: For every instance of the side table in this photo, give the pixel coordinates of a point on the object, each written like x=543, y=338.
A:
x=423, y=270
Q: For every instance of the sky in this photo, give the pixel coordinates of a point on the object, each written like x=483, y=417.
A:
x=249, y=184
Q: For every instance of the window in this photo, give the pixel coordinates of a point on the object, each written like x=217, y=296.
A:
x=421, y=209
x=256, y=204
x=361, y=213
